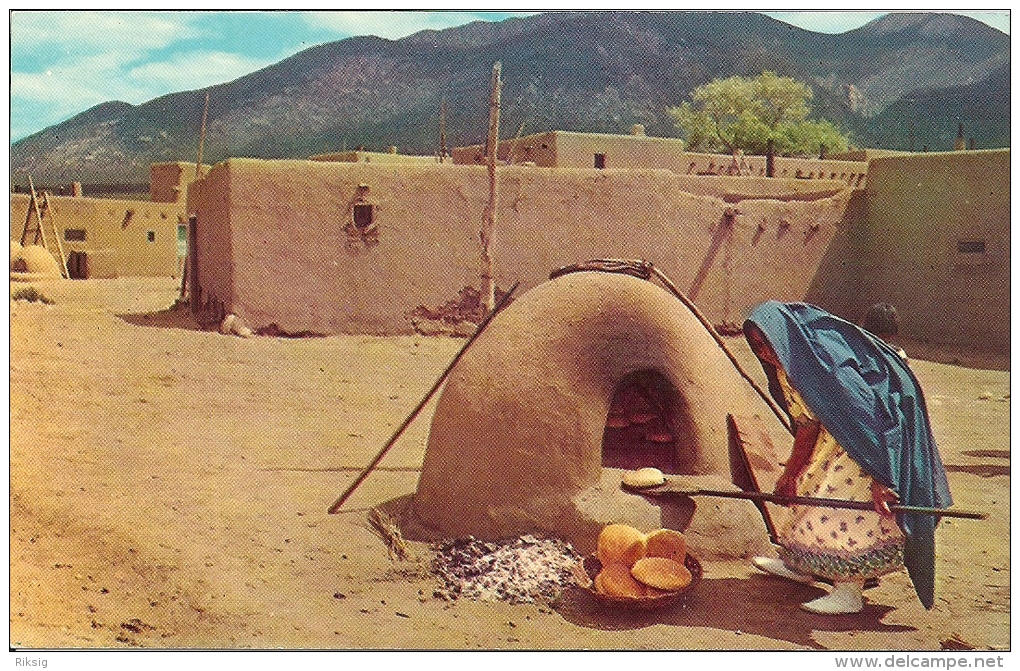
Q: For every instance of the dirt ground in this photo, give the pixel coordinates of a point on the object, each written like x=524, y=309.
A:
x=169, y=489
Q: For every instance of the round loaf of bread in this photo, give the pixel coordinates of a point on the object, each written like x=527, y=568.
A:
x=620, y=544
x=661, y=573
x=616, y=580
x=666, y=543
x=644, y=477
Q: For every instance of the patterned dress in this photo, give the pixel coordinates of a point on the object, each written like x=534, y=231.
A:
x=840, y=545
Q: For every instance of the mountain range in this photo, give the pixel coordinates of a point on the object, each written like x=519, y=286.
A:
x=904, y=81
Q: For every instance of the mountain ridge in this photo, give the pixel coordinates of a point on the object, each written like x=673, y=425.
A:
x=575, y=71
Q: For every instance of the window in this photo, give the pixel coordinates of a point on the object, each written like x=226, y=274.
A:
x=364, y=215
x=970, y=246
x=151, y=236
x=600, y=161
x=74, y=234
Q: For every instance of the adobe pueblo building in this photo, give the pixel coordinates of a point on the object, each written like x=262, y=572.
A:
x=317, y=247
x=338, y=246
x=108, y=237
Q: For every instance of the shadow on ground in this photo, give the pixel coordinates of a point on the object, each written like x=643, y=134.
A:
x=732, y=604
x=991, y=454
x=980, y=470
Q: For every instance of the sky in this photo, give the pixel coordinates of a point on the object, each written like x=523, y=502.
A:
x=64, y=62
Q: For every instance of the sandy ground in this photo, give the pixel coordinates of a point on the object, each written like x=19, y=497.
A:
x=169, y=488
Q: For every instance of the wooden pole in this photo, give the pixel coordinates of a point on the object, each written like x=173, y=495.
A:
x=40, y=234
x=48, y=206
x=333, y=509
x=819, y=502
x=442, y=131
x=489, y=215
x=689, y=304
x=201, y=137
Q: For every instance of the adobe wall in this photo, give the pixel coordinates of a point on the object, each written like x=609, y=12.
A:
x=837, y=280
x=867, y=155
x=736, y=189
x=371, y=157
x=117, y=233
x=211, y=249
x=853, y=173
x=168, y=182
x=298, y=260
x=936, y=244
x=560, y=149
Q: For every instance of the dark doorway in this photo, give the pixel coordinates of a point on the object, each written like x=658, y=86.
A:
x=600, y=161
x=77, y=266
x=648, y=425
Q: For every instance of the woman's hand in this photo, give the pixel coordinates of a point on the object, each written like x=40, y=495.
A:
x=882, y=496
x=805, y=438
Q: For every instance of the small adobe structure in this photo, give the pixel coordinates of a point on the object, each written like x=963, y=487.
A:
x=523, y=438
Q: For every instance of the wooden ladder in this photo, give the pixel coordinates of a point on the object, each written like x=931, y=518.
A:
x=38, y=227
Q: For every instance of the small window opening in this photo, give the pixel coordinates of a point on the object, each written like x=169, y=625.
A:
x=970, y=246
x=151, y=236
x=364, y=216
x=600, y=161
x=128, y=215
x=74, y=234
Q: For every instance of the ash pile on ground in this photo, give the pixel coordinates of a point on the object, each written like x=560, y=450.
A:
x=521, y=570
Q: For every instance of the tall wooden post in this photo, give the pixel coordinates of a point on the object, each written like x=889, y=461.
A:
x=201, y=137
x=442, y=131
x=489, y=216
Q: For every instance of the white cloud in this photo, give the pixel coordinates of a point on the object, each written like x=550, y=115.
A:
x=67, y=89
x=50, y=89
x=842, y=21
x=826, y=22
x=74, y=33
x=66, y=62
x=998, y=20
x=391, y=25
x=194, y=70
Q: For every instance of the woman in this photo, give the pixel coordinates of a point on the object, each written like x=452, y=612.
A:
x=861, y=433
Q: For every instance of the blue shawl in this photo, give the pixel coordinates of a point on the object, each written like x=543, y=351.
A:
x=866, y=396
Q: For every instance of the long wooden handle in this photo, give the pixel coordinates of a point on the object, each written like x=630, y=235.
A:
x=666, y=490
x=414, y=413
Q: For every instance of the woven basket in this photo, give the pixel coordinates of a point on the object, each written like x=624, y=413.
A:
x=586, y=570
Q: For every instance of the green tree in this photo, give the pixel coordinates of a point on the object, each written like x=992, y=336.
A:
x=745, y=113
